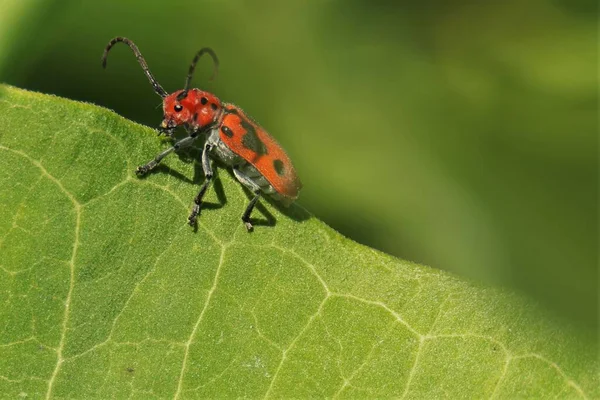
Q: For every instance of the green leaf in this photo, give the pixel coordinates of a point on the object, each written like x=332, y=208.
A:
x=106, y=292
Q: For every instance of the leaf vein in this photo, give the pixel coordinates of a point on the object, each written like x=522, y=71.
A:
x=77, y=208
x=293, y=343
x=188, y=343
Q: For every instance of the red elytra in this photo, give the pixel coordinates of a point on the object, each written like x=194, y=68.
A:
x=258, y=161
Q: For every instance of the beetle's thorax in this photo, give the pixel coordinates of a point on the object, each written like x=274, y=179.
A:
x=196, y=109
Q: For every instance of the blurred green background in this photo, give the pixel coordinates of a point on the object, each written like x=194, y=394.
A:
x=461, y=134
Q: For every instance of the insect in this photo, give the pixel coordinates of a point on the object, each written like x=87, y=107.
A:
x=230, y=135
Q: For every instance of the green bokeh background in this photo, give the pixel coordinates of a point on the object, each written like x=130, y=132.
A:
x=462, y=135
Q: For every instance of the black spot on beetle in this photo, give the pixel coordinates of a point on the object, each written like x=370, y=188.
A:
x=195, y=116
x=279, y=167
x=203, y=100
x=182, y=95
x=250, y=140
x=214, y=106
x=227, y=131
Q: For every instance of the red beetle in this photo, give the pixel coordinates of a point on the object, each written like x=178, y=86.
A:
x=258, y=161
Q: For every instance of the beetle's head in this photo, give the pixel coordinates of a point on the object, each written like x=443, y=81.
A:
x=177, y=111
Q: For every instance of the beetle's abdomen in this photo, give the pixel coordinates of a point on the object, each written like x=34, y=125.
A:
x=251, y=142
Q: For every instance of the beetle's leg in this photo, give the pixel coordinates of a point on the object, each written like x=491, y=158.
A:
x=208, y=174
x=143, y=169
x=254, y=188
x=248, y=211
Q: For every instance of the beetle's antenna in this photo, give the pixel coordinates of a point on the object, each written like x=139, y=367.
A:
x=199, y=54
x=157, y=88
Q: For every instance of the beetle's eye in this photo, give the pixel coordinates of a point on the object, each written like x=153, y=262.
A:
x=178, y=107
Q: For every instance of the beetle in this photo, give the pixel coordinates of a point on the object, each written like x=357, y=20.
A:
x=231, y=136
